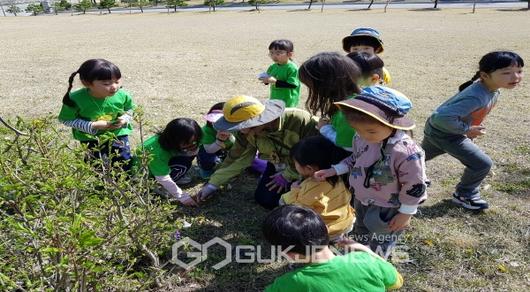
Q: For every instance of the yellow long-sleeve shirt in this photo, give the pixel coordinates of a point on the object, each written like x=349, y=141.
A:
x=332, y=203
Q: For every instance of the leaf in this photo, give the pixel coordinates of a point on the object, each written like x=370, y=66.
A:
x=51, y=249
x=88, y=239
x=501, y=268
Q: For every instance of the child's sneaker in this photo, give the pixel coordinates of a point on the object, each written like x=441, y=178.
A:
x=471, y=204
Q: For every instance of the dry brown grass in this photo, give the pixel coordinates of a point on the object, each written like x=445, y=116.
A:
x=180, y=64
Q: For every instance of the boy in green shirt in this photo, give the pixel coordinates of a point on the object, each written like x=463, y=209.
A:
x=301, y=234
x=283, y=74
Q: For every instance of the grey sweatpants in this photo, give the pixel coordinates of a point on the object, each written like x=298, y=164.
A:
x=477, y=163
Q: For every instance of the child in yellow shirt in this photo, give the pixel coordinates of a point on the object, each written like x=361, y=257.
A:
x=330, y=198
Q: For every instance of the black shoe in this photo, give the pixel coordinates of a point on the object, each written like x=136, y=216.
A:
x=470, y=204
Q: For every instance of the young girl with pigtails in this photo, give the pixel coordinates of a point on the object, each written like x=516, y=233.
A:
x=100, y=107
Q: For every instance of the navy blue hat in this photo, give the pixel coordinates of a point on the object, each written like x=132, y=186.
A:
x=384, y=104
x=363, y=32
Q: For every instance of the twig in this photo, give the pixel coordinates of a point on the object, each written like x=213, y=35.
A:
x=19, y=133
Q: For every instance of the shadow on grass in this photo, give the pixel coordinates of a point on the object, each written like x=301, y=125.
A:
x=512, y=9
x=425, y=9
x=234, y=216
x=444, y=208
x=301, y=10
x=360, y=10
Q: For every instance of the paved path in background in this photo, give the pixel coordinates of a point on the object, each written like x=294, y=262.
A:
x=352, y=6
x=316, y=7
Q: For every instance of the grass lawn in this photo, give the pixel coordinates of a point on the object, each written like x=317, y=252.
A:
x=180, y=64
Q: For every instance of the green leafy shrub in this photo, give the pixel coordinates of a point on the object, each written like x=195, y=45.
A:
x=67, y=225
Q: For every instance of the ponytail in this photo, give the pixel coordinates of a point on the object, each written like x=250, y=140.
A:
x=493, y=61
x=467, y=83
x=66, y=98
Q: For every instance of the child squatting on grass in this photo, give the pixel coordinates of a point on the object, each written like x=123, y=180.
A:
x=302, y=235
x=283, y=74
x=329, y=198
x=331, y=77
x=171, y=152
x=366, y=40
x=454, y=125
x=387, y=168
x=101, y=107
x=214, y=144
x=268, y=128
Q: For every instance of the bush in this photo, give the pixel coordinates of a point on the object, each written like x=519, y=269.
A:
x=213, y=2
x=70, y=225
x=35, y=9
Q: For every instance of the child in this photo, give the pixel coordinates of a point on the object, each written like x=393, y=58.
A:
x=387, y=172
x=214, y=144
x=268, y=128
x=368, y=40
x=329, y=198
x=283, y=74
x=302, y=235
x=171, y=153
x=371, y=67
x=331, y=77
x=454, y=124
x=101, y=107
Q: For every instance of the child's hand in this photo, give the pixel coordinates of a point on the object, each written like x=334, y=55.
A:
x=101, y=125
x=268, y=80
x=399, y=222
x=278, y=183
x=118, y=124
x=322, y=174
x=475, y=131
x=222, y=135
x=187, y=200
x=322, y=122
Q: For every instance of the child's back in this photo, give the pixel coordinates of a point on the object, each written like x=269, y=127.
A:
x=331, y=202
x=297, y=230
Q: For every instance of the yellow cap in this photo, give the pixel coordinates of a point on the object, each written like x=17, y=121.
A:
x=241, y=108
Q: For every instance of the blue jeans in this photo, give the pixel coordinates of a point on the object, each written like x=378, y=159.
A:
x=208, y=161
x=477, y=163
x=264, y=197
x=119, y=149
x=179, y=166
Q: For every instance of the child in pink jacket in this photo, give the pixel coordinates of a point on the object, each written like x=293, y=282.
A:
x=387, y=168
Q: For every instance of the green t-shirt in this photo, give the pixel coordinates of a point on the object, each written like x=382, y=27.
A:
x=158, y=157
x=94, y=109
x=343, y=130
x=356, y=271
x=208, y=137
x=288, y=73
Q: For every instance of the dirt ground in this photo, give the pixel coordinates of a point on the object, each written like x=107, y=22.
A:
x=180, y=64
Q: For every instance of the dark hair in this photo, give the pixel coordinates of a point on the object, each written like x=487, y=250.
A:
x=90, y=71
x=362, y=40
x=217, y=106
x=316, y=151
x=330, y=77
x=493, y=61
x=295, y=226
x=356, y=116
x=177, y=132
x=285, y=45
x=368, y=63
